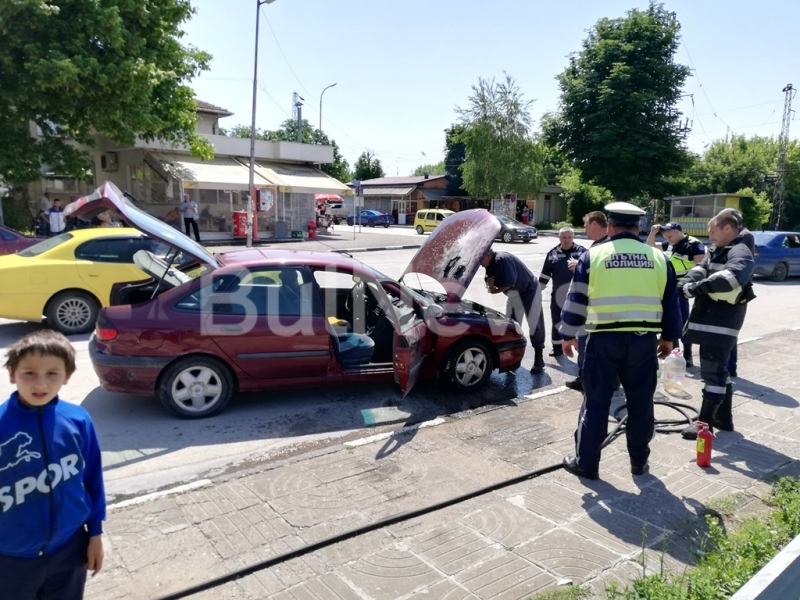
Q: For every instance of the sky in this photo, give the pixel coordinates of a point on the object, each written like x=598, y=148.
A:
x=402, y=67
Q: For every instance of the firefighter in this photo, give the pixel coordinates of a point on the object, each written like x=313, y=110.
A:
x=687, y=251
x=507, y=274
x=557, y=267
x=624, y=293
x=720, y=286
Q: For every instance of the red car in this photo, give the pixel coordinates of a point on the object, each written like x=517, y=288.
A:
x=256, y=319
x=12, y=241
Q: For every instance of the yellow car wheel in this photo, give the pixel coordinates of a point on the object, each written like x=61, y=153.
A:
x=72, y=312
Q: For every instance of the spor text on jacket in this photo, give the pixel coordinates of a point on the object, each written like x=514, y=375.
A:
x=51, y=477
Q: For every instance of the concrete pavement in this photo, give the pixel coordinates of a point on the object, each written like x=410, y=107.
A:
x=506, y=544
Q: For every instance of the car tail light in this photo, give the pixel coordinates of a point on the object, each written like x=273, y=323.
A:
x=106, y=334
x=755, y=252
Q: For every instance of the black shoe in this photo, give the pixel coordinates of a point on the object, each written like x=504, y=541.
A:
x=571, y=464
x=538, y=364
x=557, y=351
x=645, y=468
x=576, y=384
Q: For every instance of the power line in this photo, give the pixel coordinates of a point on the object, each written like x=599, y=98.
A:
x=702, y=87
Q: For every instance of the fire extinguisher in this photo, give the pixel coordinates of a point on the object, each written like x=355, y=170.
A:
x=704, y=437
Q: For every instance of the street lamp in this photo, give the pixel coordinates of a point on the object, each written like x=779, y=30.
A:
x=320, y=107
x=251, y=187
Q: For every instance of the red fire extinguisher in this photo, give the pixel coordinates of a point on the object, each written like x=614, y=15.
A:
x=704, y=437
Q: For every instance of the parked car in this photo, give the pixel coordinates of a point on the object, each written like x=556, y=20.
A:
x=264, y=318
x=67, y=278
x=12, y=241
x=511, y=231
x=429, y=219
x=777, y=254
x=370, y=218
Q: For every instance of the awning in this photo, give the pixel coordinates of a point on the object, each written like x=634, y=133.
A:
x=388, y=191
x=433, y=193
x=215, y=174
x=300, y=178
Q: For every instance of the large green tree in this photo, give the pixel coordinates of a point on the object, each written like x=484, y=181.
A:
x=455, y=153
x=367, y=167
x=617, y=120
x=75, y=67
x=430, y=169
x=501, y=156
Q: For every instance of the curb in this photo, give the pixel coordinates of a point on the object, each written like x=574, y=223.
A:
x=377, y=249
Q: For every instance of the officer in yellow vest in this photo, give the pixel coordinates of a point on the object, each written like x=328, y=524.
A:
x=687, y=251
x=624, y=294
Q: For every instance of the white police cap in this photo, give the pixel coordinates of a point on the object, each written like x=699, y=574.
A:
x=624, y=213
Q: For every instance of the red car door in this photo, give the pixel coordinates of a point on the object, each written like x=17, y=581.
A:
x=411, y=347
x=271, y=325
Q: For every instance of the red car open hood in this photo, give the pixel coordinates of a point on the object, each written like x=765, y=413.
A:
x=455, y=249
x=108, y=196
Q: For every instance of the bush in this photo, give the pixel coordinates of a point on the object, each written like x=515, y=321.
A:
x=543, y=225
x=561, y=224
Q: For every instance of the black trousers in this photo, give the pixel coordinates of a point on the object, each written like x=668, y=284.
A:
x=555, y=318
x=634, y=358
x=60, y=575
x=714, y=372
x=187, y=223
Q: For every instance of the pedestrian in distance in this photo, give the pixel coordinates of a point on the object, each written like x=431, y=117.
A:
x=557, y=268
x=56, y=219
x=189, y=210
x=507, y=274
x=721, y=287
x=595, y=226
x=624, y=294
x=51, y=477
x=685, y=252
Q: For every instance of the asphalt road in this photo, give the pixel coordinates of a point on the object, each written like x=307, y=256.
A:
x=145, y=448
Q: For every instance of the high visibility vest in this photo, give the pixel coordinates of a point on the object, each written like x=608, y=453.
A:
x=626, y=285
x=680, y=262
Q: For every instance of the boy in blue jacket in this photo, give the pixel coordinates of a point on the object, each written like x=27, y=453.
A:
x=52, y=499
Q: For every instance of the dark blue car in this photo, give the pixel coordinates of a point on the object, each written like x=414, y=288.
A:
x=777, y=254
x=370, y=218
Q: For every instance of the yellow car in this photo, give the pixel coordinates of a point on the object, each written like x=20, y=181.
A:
x=428, y=219
x=67, y=278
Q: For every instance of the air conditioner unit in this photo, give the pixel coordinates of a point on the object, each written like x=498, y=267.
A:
x=108, y=161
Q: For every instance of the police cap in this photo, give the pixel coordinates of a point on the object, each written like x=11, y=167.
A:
x=624, y=214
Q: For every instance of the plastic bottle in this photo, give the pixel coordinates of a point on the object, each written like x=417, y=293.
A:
x=673, y=372
x=704, y=438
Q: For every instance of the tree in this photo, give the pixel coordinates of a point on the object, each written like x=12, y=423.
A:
x=617, y=122
x=501, y=156
x=77, y=68
x=455, y=153
x=582, y=198
x=367, y=167
x=437, y=169
x=338, y=169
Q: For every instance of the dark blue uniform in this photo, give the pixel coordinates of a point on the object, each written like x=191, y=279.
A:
x=632, y=356
x=556, y=268
x=690, y=249
x=524, y=297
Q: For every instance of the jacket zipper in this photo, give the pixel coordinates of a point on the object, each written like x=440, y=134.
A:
x=48, y=480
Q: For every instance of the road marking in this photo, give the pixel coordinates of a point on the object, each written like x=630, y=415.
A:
x=556, y=390
x=753, y=339
x=383, y=414
x=385, y=436
x=155, y=495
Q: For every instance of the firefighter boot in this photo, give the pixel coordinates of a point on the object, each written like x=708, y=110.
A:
x=723, y=419
x=707, y=411
x=538, y=361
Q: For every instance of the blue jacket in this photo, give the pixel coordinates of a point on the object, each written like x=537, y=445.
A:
x=573, y=316
x=51, y=477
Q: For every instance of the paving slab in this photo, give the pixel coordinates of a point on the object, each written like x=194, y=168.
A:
x=506, y=544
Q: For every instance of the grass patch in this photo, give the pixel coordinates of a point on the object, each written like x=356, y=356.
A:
x=567, y=592
x=725, y=505
x=727, y=561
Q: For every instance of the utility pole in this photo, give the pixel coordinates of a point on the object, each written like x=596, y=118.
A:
x=783, y=146
x=298, y=114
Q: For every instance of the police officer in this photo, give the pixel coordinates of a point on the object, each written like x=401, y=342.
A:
x=624, y=294
x=687, y=252
x=557, y=267
x=595, y=225
x=507, y=274
x=719, y=286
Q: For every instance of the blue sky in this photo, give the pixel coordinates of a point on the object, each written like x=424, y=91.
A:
x=401, y=67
